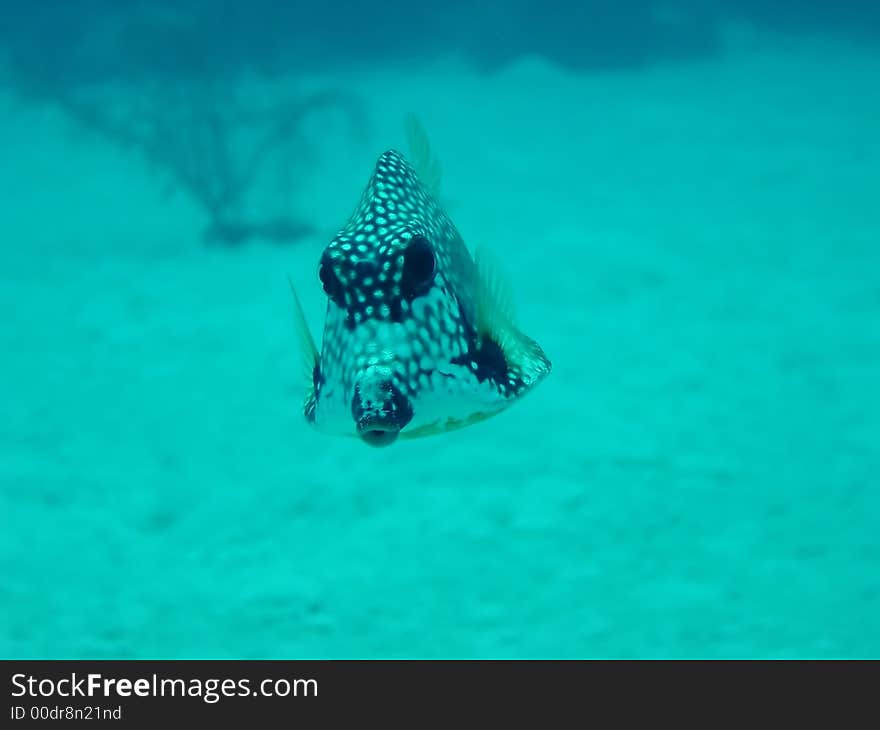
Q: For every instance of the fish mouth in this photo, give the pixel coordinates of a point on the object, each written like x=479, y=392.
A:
x=380, y=411
x=378, y=431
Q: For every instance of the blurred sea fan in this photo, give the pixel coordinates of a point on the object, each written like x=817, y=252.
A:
x=194, y=121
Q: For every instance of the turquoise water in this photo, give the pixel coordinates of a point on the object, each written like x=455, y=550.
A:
x=692, y=237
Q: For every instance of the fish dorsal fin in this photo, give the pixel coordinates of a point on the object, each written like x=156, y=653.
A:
x=427, y=166
x=496, y=317
x=307, y=350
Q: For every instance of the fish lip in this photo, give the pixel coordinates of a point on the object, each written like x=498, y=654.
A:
x=380, y=411
x=378, y=431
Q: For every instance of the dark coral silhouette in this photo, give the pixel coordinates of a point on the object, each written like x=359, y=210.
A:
x=196, y=127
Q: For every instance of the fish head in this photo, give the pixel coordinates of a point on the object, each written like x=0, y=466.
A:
x=402, y=353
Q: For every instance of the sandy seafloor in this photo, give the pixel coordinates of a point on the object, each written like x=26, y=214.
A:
x=697, y=248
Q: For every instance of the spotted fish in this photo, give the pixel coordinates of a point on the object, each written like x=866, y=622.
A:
x=419, y=337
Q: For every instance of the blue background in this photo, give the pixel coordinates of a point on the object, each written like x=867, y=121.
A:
x=684, y=196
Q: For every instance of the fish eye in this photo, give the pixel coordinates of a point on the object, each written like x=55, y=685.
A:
x=330, y=281
x=419, y=266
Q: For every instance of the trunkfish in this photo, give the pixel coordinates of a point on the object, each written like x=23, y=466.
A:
x=419, y=336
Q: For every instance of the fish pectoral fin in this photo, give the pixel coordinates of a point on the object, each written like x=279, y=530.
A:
x=306, y=345
x=495, y=306
x=496, y=317
x=427, y=166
